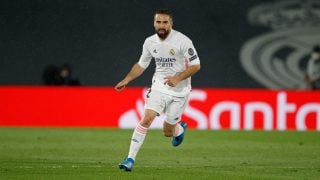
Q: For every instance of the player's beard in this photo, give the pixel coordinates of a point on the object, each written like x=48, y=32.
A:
x=163, y=33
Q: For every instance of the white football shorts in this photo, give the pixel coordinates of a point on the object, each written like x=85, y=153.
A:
x=171, y=106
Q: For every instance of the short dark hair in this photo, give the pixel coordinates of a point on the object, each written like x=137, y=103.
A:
x=316, y=49
x=164, y=11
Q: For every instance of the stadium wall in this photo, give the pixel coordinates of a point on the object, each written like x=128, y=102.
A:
x=241, y=44
x=209, y=108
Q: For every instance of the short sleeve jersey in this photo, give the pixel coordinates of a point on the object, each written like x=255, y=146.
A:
x=172, y=56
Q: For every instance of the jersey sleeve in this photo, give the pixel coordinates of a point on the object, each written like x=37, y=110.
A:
x=145, y=57
x=190, y=53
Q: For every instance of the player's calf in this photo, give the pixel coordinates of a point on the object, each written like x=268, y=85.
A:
x=168, y=132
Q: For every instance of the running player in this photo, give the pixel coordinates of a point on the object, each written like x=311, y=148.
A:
x=176, y=61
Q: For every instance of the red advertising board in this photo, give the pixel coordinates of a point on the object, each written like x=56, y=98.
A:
x=209, y=108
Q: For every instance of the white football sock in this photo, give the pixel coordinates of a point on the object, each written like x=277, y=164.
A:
x=178, y=130
x=137, y=140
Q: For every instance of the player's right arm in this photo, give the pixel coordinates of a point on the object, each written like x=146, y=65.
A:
x=135, y=72
x=137, y=69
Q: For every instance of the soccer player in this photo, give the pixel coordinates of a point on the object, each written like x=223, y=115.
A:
x=313, y=69
x=176, y=61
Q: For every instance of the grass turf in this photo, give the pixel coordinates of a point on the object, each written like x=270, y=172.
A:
x=53, y=153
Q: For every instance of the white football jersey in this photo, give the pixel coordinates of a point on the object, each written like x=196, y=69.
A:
x=172, y=56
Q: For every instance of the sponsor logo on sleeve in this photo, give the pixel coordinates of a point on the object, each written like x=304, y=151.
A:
x=193, y=57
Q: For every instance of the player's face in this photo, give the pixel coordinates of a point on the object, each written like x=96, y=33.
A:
x=162, y=24
x=315, y=55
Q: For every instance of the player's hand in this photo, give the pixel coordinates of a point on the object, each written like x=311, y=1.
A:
x=171, y=81
x=121, y=85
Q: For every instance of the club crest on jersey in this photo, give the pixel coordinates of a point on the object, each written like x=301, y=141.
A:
x=171, y=52
x=190, y=51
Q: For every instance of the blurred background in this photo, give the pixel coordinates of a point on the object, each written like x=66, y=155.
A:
x=241, y=44
x=255, y=57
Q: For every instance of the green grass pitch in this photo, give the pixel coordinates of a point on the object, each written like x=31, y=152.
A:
x=75, y=153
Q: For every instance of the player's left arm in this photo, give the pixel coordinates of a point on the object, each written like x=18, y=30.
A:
x=174, y=80
x=190, y=53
